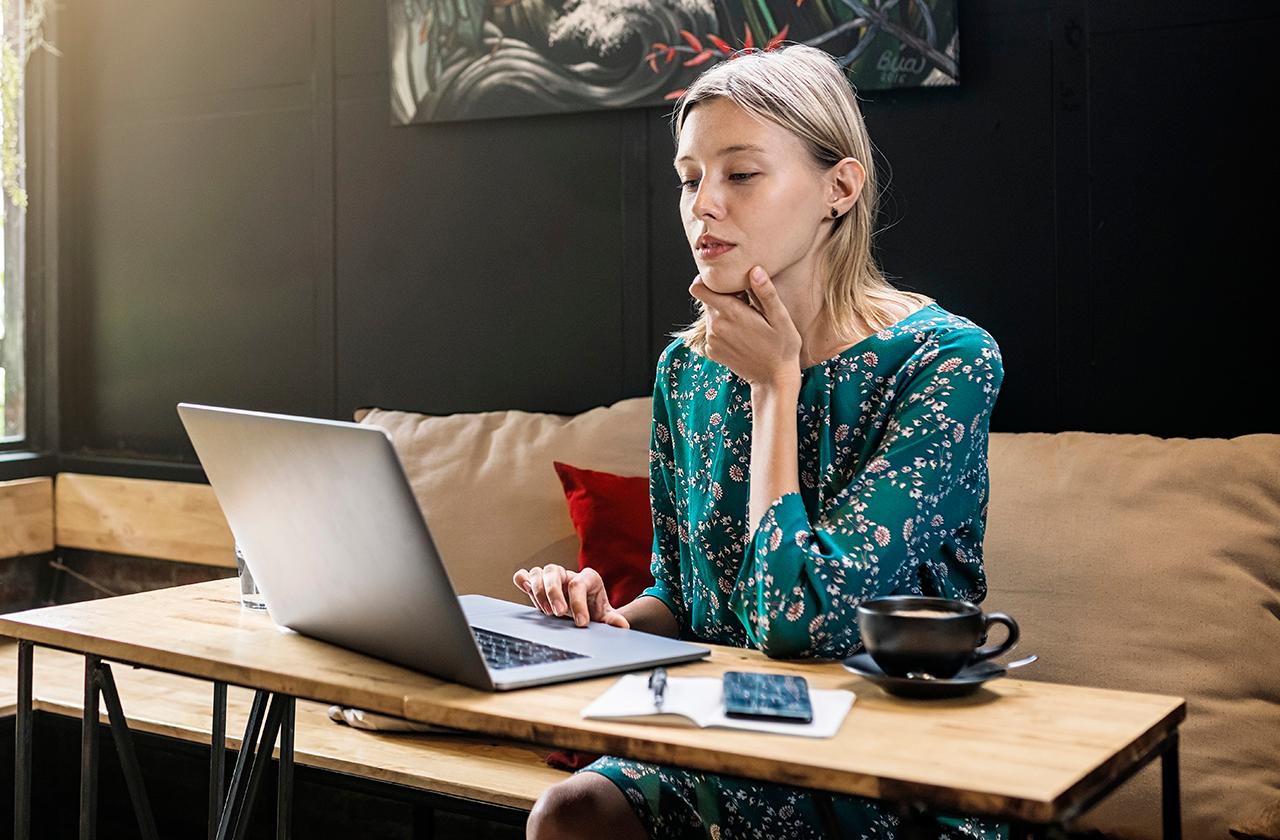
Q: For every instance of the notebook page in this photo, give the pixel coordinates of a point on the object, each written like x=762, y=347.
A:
x=700, y=701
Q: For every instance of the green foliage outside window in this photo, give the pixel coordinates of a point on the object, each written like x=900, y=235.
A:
x=21, y=34
x=22, y=37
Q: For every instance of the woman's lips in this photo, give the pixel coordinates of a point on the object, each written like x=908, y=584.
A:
x=713, y=250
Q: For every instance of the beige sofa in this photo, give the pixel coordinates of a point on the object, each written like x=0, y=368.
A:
x=1130, y=561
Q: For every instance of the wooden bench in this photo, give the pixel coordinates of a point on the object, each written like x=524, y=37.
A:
x=177, y=521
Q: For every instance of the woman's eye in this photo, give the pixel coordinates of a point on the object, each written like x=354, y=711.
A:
x=742, y=176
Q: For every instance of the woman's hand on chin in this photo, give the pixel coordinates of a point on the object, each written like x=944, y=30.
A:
x=563, y=592
x=756, y=340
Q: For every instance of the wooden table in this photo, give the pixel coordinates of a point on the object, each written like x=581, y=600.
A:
x=1036, y=754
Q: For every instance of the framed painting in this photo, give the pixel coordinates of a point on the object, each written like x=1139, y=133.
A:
x=477, y=59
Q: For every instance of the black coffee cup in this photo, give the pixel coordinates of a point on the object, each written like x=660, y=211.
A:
x=936, y=636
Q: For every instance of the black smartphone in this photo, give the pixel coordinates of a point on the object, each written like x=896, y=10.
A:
x=778, y=697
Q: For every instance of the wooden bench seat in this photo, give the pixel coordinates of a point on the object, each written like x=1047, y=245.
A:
x=502, y=773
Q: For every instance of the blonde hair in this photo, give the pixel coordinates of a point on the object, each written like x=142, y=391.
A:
x=804, y=90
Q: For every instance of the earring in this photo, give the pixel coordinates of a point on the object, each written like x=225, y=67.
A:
x=834, y=212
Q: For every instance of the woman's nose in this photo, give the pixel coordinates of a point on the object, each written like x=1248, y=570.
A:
x=706, y=202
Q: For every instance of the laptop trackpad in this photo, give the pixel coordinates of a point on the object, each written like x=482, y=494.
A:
x=596, y=639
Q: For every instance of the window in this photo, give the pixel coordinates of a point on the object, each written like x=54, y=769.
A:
x=20, y=33
x=12, y=381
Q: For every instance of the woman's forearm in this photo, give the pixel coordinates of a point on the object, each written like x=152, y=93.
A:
x=775, y=466
x=650, y=615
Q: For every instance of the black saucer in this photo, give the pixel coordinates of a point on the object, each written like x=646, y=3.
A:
x=964, y=682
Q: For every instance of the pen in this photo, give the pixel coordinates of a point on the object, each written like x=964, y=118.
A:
x=658, y=682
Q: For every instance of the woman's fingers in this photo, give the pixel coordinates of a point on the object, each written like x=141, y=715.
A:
x=554, y=581
x=559, y=591
x=538, y=590
x=601, y=609
x=578, y=605
x=523, y=579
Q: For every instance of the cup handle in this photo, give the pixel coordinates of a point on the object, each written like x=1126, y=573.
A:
x=991, y=651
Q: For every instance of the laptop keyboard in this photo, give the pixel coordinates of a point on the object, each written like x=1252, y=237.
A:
x=502, y=651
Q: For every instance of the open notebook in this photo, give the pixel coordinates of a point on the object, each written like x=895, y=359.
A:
x=699, y=701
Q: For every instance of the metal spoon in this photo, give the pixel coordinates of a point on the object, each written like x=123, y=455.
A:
x=1017, y=663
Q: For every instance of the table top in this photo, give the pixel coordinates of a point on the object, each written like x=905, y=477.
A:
x=1015, y=748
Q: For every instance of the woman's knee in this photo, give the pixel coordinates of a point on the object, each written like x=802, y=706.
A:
x=583, y=805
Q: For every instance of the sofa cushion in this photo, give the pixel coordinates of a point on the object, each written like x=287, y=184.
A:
x=1148, y=564
x=611, y=515
x=488, y=490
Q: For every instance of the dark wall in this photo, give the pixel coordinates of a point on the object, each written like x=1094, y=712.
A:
x=242, y=225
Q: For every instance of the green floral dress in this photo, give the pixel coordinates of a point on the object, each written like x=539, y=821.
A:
x=893, y=500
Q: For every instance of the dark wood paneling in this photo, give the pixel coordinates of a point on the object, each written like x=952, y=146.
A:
x=85, y=575
x=211, y=311
x=673, y=268
x=25, y=582
x=324, y=131
x=967, y=213
x=1155, y=15
x=1073, y=245
x=478, y=263
x=26, y=464
x=635, y=210
x=142, y=51
x=196, y=274
x=1184, y=185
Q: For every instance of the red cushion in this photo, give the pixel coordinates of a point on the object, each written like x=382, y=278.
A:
x=611, y=515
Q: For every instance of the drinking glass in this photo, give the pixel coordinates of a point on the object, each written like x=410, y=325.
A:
x=250, y=597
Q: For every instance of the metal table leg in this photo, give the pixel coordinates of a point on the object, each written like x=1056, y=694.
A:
x=100, y=684
x=22, y=747
x=1170, y=792
x=247, y=744
x=217, y=756
x=128, y=756
x=261, y=759
x=265, y=723
x=225, y=814
x=284, y=780
x=89, y=751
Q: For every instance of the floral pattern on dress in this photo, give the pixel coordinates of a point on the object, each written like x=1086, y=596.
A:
x=677, y=804
x=893, y=498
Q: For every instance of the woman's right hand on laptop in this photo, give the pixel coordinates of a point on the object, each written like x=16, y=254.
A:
x=559, y=591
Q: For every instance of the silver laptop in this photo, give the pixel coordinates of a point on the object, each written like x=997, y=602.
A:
x=336, y=542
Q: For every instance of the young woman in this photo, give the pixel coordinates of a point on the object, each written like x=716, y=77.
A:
x=819, y=437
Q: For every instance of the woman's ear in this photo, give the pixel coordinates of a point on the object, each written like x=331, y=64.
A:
x=847, y=178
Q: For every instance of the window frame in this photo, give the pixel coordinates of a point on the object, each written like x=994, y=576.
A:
x=31, y=453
